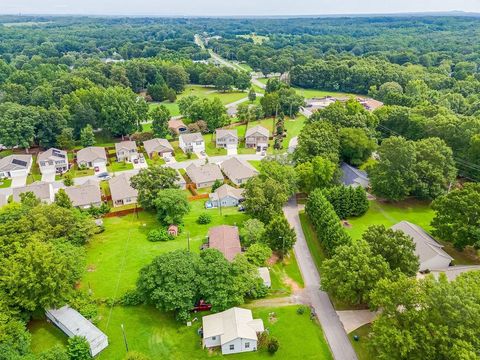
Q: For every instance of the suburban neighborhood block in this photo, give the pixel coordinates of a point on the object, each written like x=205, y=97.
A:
x=226, y=239
x=122, y=192
x=234, y=330
x=205, y=175
x=237, y=171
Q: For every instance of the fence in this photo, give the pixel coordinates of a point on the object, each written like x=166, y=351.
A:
x=123, y=212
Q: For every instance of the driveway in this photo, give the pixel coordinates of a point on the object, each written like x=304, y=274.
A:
x=102, y=168
x=19, y=181
x=232, y=151
x=48, y=177
x=200, y=155
x=292, y=144
x=333, y=329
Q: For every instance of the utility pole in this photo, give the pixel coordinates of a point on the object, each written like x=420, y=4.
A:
x=124, y=337
x=188, y=241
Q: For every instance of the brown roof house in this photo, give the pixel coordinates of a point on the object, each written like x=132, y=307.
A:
x=122, y=192
x=177, y=126
x=126, y=151
x=86, y=195
x=257, y=137
x=226, y=239
x=226, y=196
x=53, y=161
x=237, y=171
x=205, y=175
x=42, y=190
x=226, y=138
x=161, y=147
x=92, y=156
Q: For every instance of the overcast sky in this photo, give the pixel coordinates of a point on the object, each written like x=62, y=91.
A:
x=232, y=7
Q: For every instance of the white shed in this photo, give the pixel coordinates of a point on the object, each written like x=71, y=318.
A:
x=234, y=330
x=72, y=323
x=265, y=275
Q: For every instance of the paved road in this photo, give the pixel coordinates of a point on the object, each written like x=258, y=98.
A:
x=332, y=327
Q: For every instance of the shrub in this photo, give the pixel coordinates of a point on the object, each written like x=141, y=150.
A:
x=258, y=254
x=131, y=298
x=204, y=219
x=347, y=201
x=273, y=345
x=156, y=235
x=78, y=348
x=99, y=211
x=301, y=310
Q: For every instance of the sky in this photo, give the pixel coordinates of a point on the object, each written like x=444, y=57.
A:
x=232, y=7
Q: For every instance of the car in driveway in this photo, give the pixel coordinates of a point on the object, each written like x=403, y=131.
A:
x=103, y=176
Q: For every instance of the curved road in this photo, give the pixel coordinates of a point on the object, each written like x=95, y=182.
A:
x=333, y=329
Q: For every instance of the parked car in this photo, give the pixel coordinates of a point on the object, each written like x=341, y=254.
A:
x=104, y=176
x=202, y=306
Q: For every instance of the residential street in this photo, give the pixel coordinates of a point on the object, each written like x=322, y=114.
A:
x=332, y=327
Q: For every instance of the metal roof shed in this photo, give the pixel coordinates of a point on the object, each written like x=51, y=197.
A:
x=72, y=323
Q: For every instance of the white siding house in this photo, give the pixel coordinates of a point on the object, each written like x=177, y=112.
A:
x=191, y=143
x=234, y=330
x=12, y=166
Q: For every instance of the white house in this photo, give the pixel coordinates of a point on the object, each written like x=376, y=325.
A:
x=93, y=157
x=226, y=138
x=191, y=142
x=234, y=330
x=122, y=191
x=72, y=323
x=126, y=151
x=429, y=252
x=42, y=190
x=16, y=165
x=53, y=161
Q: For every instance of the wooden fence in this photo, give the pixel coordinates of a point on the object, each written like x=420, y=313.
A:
x=122, y=212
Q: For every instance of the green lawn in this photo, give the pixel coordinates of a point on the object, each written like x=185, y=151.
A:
x=45, y=335
x=360, y=346
x=179, y=154
x=293, y=128
x=119, y=166
x=312, y=241
x=5, y=183
x=255, y=164
x=159, y=336
x=312, y=93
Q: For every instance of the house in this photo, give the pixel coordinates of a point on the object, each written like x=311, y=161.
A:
x=257, y=137
x=237, y=171
x=265, y=275
x=429, y=252
x=191, y=142
x=122, y=192
x=226, y=138
x=16, y=165
x=352, y=176
x=176, y=126
x=72, y=323
x=369, y=104
x=92, y=157
x=126, y=151
x=234, y=330
x=226, y=239
x=180, y=182
x=42, y=190
x=53, y=161
x=205, y=175
x=226, y=196
x=161, y=147
x=86, y=195
x=3, y=199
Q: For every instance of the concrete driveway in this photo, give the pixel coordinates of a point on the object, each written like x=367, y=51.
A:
x=232, y=151
x=48, y=177
x=200, y=155
x=19, y=181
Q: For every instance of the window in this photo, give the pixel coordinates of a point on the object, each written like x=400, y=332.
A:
x=232, y=347
x=214, y=338
x=247, y=345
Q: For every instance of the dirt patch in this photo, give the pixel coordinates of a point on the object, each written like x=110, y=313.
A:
x=296, y=289
x=91, y=268
x=273, y=260
x=346, y=224
x=272, y=318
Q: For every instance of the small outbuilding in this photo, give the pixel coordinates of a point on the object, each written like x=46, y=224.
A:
x=354, y=177
x=72, y=323
x=173, y=230
x=265, y=275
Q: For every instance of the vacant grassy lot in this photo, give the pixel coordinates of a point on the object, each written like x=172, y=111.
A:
x=158, y=335
x=311, y=93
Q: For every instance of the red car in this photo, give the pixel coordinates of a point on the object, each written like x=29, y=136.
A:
x=202, y=306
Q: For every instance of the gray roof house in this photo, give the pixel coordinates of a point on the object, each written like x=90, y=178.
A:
x=53, y=161
x=92, y=156
x=430, y=253
x=234, y=330
x=158, y=146
x=352, y=176
x=122, y=192
x=205, y=175
x=226, y=239
x=226, y=138
x=86, y=195
x=15, y=165
x=191, y=142
x=72, y=323
x=182, y=184
x=126, y=151
x=237, y=171
x=226, y=196
x=42, y=190
x=257, y=137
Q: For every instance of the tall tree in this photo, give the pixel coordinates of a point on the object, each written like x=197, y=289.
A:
x=279, y=236
x=317, y=139
x=171, y=206
x=87, y=136
x=160, y=116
